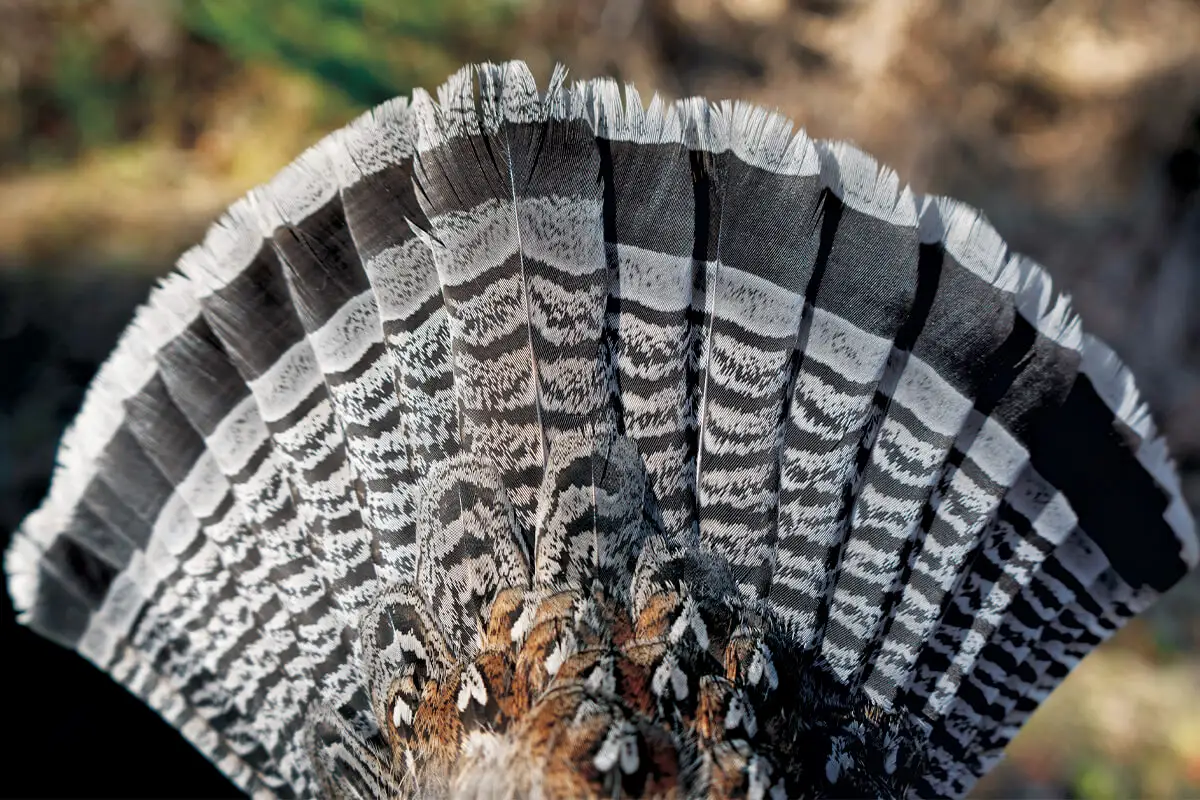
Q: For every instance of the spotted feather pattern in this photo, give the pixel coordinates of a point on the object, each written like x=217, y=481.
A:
x=518, y=442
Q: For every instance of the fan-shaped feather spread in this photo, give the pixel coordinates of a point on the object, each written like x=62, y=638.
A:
x=546, y=444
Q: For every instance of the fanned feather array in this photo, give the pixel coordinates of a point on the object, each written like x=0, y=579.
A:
x=518, y=443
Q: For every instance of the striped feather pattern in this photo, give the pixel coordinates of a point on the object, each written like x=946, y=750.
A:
x=475, y=361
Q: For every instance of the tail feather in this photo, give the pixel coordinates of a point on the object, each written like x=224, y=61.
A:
x=649, y=217
x=340, y=316
x=750, y=349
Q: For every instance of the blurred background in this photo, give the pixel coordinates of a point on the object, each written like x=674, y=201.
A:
x=127, y=125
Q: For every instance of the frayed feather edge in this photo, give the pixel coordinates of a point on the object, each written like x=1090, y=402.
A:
x=508, y=92
x=232, y=243
x=865, y=185
x=704, y=125
x=21, y=562
x=374, y=141
x=770, y=141
x=628, y=121
x=453, y=114
x=1115, y=384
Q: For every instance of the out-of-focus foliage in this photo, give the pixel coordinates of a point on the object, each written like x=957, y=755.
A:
x=125, y=125
x=75, y=76
x=79, y=75
x=369, y=49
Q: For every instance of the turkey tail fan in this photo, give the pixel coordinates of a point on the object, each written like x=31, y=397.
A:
x=547, y=443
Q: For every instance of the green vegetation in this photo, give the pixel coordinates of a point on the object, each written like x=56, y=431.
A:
x=369, y=49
